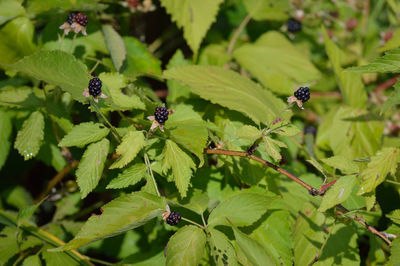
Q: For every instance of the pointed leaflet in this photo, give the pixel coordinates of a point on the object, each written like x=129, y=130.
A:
x=91, y=166
x=243, y=208
x=129, y=176
x=115, y=45
x=387, y=63
x=254, y=252
x=342, y=163
x=182, y=166
x=384, y=162
x=194, y=16
x=30, y=136
x=338, y=193
x=57, y=68
x=188, y=129
x=5, y=132
x=394, y=98
x=131, y=144
x=271, y=148
x=83, y=134
x=26, y=212
x=186, y=246
x=120, y=215
x=350, y=84
x=275, y=62
x=249, y=132
x=221, y=248
x=395, y=252
x=225, y=87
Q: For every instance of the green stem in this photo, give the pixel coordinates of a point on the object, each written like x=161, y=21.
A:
x=392, y=182
x=98, y=111
x=192, y=222
x=237, y=32
x=95, y=66
x=150, y=171
x=72, y=43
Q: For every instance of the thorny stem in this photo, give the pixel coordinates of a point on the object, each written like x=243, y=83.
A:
x=313, y=191
x=192, y=222
x=237, y=32
x=113, y=130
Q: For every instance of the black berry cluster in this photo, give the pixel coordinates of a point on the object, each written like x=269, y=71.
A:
x=293, y=25
x=173, y=218
x=81, y=19
x=95, y=87
x=71, y=18
x=302, y=94
x=161, y=114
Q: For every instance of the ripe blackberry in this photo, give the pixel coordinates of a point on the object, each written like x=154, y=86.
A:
x=302, y=94
x=293, y=25
x=173, y=218
x=95, y=87
x=81, y=19
x=161, y=114
x=71, y=18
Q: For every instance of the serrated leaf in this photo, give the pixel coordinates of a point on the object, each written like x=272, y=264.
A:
x=115, y=45
x=21, y=97
x=130, y=146
x=271, y=148
x=186, y=246
x=389, y=63
x=394, y=216
x=267, y=9
x=129, y=176
x=275, y=62
x=176, y=89
x=342, y=163
x=5, y=132
x=243, y=208
x=395, y=252
x=181, y=164
x=194, y=16
x=225, y=87
x=338, y=193
x=113, y=85
x=91, y=166
x=221, y=248
x=287, y=130
x=84, y=133
x=25, y=213
x=215, y=55
x=394, y=98
x=249, y=132
x=384, y=162
x=187, y=128
x=57, y=68
x=254, y=252
x=10, y=9
x=30, y=136
x=120, y=215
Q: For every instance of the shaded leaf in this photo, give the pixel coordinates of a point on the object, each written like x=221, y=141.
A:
x=84, y=133
x=130, y=146
x=394, y=216
x=115, y=45
x=10, y=9
x=221, y=248
x=395, y=252
x=22, y=97
x=129, y=176
x=338, y=193
x=389, y=63
x=5, y=132
x=271, y=148
x=176, y=89
x=267, y=9
x=249, y=132
x=26, y=212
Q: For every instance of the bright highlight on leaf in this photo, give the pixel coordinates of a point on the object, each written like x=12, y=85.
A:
x=30, y=136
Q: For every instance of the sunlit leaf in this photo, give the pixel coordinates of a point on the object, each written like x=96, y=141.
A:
x=131, y=144
x=338, y=193
x=115, y=45
x=84, y=133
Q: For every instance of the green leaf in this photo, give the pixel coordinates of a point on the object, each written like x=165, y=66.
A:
x=342, y=163
x=186, y=247
x=68, y=205
x=91, y=166
x=113, y=85
x=130, y=146
x=389, y=63
x=215, y=55
x=243, y=208
x=287, y=130
x=16, y=40
x=58, y=258
x=182, y=166
x=33, y=260
x=267, y=9
x=120, y=215
x=394, y=216
x=129, y=176
x=221, y=248
x=57, y=68
x=384, y=162
x=275, y=62
x=5, y=133
x=254, y=252
x=30, y=136
x=84, y=133
x=249, y=132
x=139, y=59
x=115, y=45
x=395, y=252
x=338, y=193
x=225, y=87
x=271, y=148
x=186, y=128
x=394, y=98
x=10, y=9
x=176, y=89
x=350, y=84
x=391, y=44
x=21, y=97
x=194, y=16
x=26, y=212
x=8, y=244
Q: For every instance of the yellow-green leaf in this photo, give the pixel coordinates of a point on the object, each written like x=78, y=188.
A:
x=30, y=136
x=131, y=144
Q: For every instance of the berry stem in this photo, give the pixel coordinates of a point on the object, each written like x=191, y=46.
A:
x=237, y=32
x=150, y=171
x=72, y=43
x=113, y=130
x=192, y=222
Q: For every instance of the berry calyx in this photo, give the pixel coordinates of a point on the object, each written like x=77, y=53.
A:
x=302, y=94
x=161, y=115
x=173, y=218
x=95, y=85
x=81, y=19
x=293, y=25
x=71, y=18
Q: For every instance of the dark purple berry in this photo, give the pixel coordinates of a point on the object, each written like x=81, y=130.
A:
x=173, y=218
x=293, y=25
x=81, y=19
x=71, y=18
x=302, y=94
x=161, y=114
x=95, y=87
x=310, y=130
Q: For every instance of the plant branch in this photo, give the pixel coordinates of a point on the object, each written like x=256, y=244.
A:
x=98, y=111
x=313, y=191
x=150, y=171
x=237, y=32
x=192, y=222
